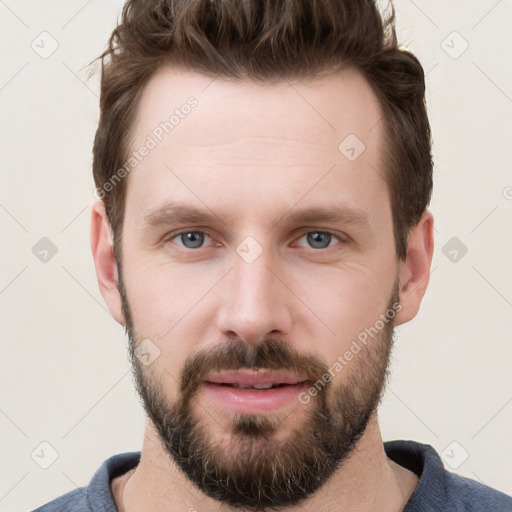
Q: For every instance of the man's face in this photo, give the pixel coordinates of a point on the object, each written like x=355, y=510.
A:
x=254, y=241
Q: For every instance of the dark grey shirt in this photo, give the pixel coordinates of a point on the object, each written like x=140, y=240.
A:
x=438, y=490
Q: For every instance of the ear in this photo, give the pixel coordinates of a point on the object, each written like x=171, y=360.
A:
x=103, y=254
x=414, y=272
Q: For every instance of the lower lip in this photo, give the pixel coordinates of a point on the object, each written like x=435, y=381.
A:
x=252, y=402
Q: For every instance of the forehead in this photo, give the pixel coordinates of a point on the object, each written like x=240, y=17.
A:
x=252, y=138
x=335, y=104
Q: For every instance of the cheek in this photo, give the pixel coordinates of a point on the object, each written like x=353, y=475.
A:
x=168, y=308
x=161, y=293
x=344, y=304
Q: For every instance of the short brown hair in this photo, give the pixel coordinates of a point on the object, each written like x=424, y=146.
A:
x=263, y=40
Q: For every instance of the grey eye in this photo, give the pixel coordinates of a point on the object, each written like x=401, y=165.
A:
x=319, y=239
x=192, y=239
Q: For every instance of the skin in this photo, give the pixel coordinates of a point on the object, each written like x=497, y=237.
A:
x=252, y=154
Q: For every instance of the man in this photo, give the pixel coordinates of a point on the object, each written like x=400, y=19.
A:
x=264, y=171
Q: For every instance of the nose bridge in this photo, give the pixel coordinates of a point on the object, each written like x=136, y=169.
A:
x=254, y=304
x=253, y=281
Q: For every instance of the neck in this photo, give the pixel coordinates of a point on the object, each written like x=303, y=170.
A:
x=367, y=481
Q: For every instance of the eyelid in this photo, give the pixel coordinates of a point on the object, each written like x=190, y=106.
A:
x=341, y=237
x=171, y=236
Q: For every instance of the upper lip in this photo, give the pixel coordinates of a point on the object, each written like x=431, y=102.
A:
x=248, y=378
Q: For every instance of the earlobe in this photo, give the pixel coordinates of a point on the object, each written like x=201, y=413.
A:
x=104, y=260
x=414, y=272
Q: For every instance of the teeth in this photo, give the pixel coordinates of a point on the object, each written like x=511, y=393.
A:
x=263, y=386
x=256, y=386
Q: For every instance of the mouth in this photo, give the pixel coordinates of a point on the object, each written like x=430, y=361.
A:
x=261, y=379
x=254, y=392
x=259, y=387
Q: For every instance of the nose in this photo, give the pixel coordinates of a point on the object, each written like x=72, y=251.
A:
x=255, y=302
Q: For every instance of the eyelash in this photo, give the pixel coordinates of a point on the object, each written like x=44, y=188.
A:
x=172, y=236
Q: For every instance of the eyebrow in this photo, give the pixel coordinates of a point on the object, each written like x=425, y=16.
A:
x=172, y=213
x=335, y=213
x=179, y=213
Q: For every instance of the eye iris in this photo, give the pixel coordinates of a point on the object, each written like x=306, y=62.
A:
x=319, y=240
x=192, y=239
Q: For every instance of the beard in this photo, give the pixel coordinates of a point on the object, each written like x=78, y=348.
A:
x=254, y=470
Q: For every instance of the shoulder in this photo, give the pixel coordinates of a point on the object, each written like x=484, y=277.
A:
x=475, y=496
x=97, y=496
x=438, y=489
x=74, y=500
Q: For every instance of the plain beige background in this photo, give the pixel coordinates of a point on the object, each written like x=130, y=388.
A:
x=65, y=378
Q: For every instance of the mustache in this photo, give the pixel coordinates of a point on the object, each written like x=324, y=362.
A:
x=235, y=354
